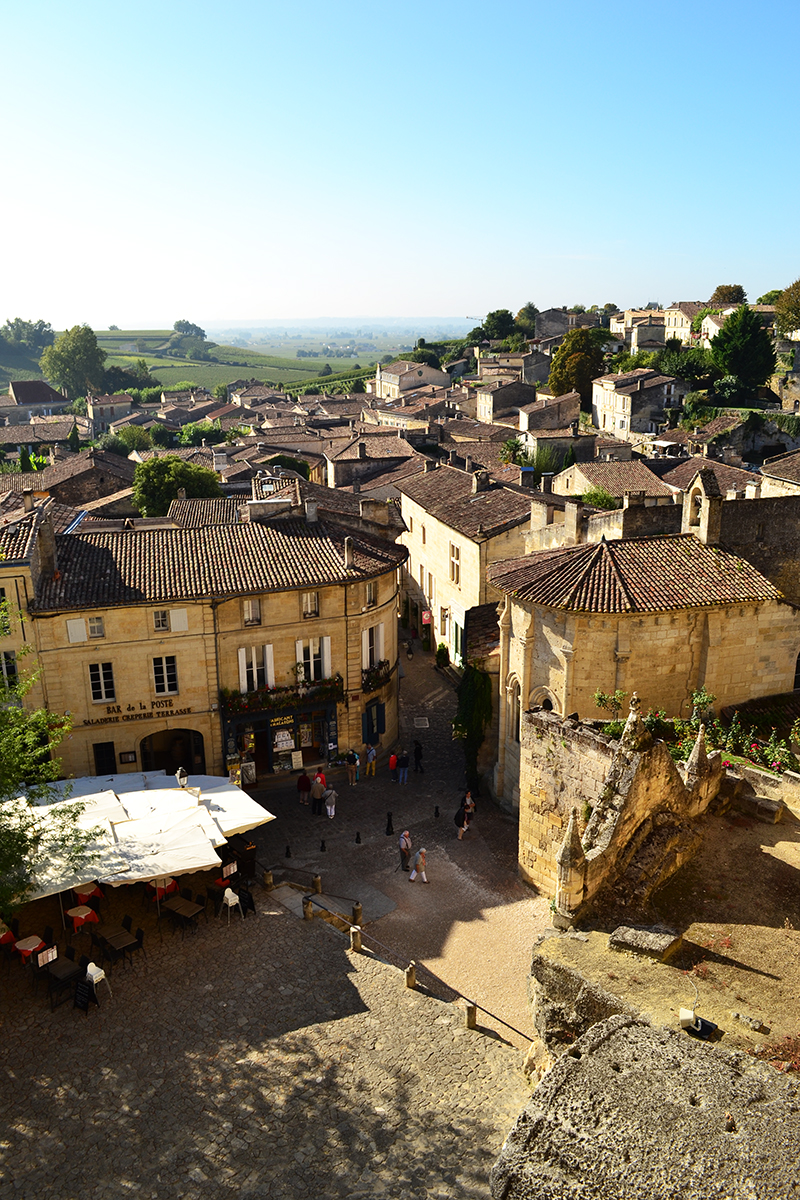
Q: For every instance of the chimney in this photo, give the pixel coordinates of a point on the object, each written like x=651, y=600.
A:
x=480, y=482
x=546, y=484
x=27, y=499
x=181, y=493
x=468, y=464
x=428, y=465
x=527, y=477
x=348, y=552
x=452, y=455
x=311, y=511
x=356, y=487
x=220, y=460
x=203, y=443
x=362, y=450
x=752, y=491
x=573, y=428
x=46, y=545
x=573, y=516
x=633, y=500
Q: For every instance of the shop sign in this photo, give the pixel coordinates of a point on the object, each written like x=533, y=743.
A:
x=158, y=708
x=426, y=616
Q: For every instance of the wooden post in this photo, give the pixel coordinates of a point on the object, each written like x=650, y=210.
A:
x=355, y=938
x=317, y=883
x=357, y=910
x=411, y=975
x=469, y=1012
x=308, y=909
x=268, y=881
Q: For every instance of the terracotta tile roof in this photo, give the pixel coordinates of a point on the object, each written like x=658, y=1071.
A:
x=145, y=566
x=37, y=431
x=725, y=423
x=18, y=536
x=191, y=514
x=783, y=466
x=447, y=494
x=659, y=574
x=620, y=477
x=482, y=632
x=68, y=468
x=689, y=308
x=465, y=428
x=33, y=391
x=376, y=446
x=726, y=476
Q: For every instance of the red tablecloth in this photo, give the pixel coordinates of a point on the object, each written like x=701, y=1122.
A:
x=165, y=888
x=83, y=894
x=28, y=945
x=81, y=914
x=8, y=936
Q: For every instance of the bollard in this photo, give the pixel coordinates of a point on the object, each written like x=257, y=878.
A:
x=288, y=853
x=355, y=937
x=268, y=881
x=469, y=1012
x=358, y=839
x=317, y=883
x=436, y=810
x=322, y=846
x=308, y=909
x=389, y=825
x=357, y=910
x=411, y=975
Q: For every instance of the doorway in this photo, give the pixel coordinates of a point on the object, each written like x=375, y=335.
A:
x=170, y=749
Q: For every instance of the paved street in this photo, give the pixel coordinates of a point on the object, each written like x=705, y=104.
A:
x=267, y=1059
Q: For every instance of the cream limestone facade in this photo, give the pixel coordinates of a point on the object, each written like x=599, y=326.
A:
x=445, y=573
x=280, y=679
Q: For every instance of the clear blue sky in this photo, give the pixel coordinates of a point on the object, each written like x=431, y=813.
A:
x=270, y=160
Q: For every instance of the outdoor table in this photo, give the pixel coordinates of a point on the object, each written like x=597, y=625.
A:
x=107, y=932
x=120, y=941
x=166, y=887
x=187, y=910
x=28, y=945
x=82, y=914
x=84, y=893
x=63, y=968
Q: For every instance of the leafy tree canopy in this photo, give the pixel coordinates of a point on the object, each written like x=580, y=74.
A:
x=75, y=361
x=599, y=497
x=692, y=365
x=525, y=320
x=112, y=443
x=195, y=432
x=429, y=357
x=770, y=297
x=727, y=293
x=478, y=334
x=32, y=335
x=787, y=309
x=156, y=484
x=187, y=329
x=74, y=439
x=160, y=435
x=28, y=769
x=499, y=324
x=578, y=360
x=744, y=348
x=135, y=437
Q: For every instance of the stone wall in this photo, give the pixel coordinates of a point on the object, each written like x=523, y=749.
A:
x=767, y=533
x=623, y=810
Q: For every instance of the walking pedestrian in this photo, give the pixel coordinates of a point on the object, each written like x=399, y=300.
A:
x=402, y=767
x=358, y=766
x=418, y=867
x=418, y=767
x=303, y=788
x=317, y=792
x=351, y=761
x=464, y=815
x=329, y=798
x=405, y=849
x=393, y=766
x=372, y=758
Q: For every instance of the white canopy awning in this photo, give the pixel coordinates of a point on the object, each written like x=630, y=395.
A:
x=151, y=831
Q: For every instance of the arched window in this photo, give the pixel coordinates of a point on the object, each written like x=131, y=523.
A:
x=515, y=712
x=797, y=674
x=695, y=505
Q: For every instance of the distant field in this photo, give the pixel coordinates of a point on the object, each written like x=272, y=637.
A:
x=15, y=364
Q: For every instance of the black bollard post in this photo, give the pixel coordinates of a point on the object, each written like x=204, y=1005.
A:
x=288, y=853
x=358, y=839
x=389, y=825
x=436, y=810
x=322, y=845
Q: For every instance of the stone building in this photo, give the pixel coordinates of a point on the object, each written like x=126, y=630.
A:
x=458, y=522
x=402, y=376
x=660, y=615
x=634, y=402
x=192, y=646
x=616, y=478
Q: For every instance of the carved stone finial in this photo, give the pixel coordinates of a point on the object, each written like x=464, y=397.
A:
x=634, y=735
x=636, y=704
x=570, y=852
x=697, y=763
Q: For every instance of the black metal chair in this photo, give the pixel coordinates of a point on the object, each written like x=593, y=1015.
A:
x=13, y=925
x=139, y=944
x=48, y=935
x=70, y=953
x=98, y=945
x=113, y=955
x=37, y=972
x=187, y=894
x=201, y=898
x=83, y=963
x=127, y=922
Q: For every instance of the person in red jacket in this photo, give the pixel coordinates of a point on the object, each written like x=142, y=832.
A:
x=393, y=766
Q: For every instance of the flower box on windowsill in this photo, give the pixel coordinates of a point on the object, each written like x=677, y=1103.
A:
x=269, y=699
x=373, y=678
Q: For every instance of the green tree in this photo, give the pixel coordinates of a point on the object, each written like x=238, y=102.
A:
x=476, y=335
x=770, y=297
x=525, y=320
x=187, y=329
x=578, y=360
x=156, y=484
x=112, y=328
x=511, y=450
x=74, y=439
x=220, y=392
x=744, y=348
x=599, y=497
x=75, y=361
x=134, y=437
x=25, y=463
x=499, y=324
x=112, y=443
x=726, y=294
x=78, y=408
x=328, y=370
x=787, y=309
x=31, y=335
x=543, y=461
x=161, y=435
x=358, y=387
x=195, y=432
x=429, y=357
